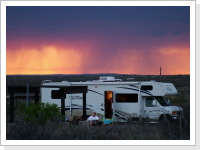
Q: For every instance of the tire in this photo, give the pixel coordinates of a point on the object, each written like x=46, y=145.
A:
x=165, y=119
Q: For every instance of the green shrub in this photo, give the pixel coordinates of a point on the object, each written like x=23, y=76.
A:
x=35, y=122
x=39, y=114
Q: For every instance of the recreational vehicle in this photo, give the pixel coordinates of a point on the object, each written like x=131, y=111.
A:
x=119, y=100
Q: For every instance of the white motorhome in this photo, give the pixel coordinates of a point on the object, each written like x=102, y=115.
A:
x=121, y=101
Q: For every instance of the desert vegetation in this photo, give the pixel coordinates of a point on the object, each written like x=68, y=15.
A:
x=44, y=122
x=125, y=131
x=36, y=122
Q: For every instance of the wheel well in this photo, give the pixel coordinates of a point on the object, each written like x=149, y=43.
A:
x=165, y=117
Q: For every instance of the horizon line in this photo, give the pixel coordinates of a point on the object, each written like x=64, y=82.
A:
x=97, y=74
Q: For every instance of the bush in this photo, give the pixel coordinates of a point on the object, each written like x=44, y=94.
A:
x=35, y=121
x=39, y=114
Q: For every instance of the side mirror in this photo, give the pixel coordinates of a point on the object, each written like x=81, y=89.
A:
x=168, y=101
x=154, y=103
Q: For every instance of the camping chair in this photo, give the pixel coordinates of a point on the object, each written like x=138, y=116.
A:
x=108, y=121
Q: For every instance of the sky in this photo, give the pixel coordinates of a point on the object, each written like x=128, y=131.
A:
x=98, y=39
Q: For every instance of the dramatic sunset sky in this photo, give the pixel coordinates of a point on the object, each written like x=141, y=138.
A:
x=97, y=39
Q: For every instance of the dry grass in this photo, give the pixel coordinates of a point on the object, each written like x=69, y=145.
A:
x=123, y=131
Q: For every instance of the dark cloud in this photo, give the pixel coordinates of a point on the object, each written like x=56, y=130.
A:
x=101, y=34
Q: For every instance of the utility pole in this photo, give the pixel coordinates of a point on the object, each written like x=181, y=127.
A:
x=160, y=72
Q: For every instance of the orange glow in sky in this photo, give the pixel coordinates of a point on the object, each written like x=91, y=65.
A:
x=45, y=61
x=57, y=60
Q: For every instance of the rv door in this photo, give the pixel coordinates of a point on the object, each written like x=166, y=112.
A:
x=108, y=104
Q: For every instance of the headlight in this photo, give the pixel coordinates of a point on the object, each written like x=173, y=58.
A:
x=174, y=113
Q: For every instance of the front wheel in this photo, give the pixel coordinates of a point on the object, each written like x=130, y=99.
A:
x=165, y=119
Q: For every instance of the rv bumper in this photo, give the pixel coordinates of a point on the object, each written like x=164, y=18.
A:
x=177, y=115
x=175, y=118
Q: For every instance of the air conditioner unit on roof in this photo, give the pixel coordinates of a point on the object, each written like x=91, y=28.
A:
x=108, y=78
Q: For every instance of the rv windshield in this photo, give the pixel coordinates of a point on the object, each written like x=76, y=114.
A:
x=162, y=101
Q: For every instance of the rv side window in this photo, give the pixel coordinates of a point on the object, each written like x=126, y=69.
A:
x=55, y=94
x=133, y=98
x=146, y=87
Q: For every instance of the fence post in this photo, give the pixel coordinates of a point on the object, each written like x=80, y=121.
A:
x=63, y=96
x=36, y=97
x=84, y=106
x=27, y=94
x=11, y=104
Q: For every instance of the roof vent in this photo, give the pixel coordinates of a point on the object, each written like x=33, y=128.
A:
x=46, y=81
